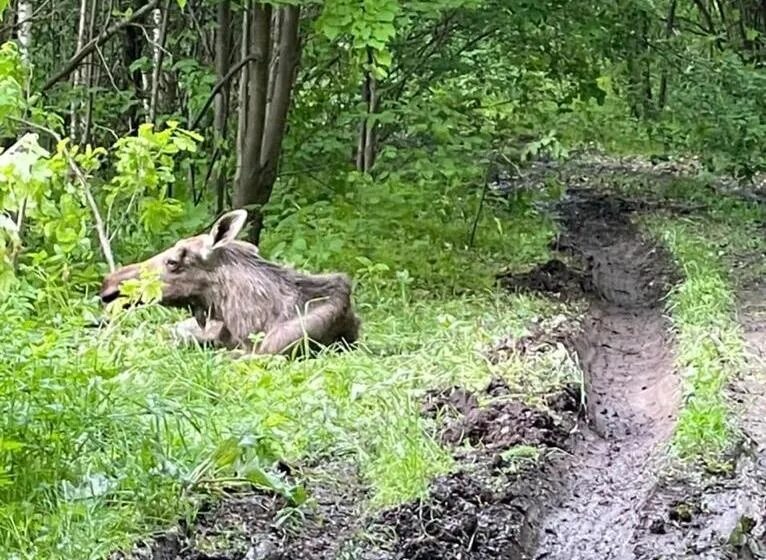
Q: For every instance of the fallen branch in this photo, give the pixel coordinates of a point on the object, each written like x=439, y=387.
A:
x=91, y=45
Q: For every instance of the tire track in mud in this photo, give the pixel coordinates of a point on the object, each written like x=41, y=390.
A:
x=632, y=388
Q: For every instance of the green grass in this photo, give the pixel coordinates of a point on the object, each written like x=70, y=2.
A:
x=710, y=347
x=708, y=250
x=108, y=434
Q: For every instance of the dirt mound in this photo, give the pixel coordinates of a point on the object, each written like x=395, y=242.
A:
x=543, y=337
x=503, y=423
x=487, y=513
x=554, y=278
x=490, y=507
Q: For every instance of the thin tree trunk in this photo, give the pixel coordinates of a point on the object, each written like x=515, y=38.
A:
x=24, y=34
x=267, y=115
x=647, y=71
x=258, y=88
x=160, y=18
x=221, y=110
x=366, y=144
x=93, y=73
x=662, y=95
x=78, y=77
x=289, y=51
x=370, y=148
x=133, y=42
x=94, y=43
x=244, y=79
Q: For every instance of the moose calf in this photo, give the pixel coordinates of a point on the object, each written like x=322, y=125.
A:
x=234, y=293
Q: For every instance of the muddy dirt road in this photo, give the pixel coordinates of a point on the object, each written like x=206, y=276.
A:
x=721, y=517
x=632, y=388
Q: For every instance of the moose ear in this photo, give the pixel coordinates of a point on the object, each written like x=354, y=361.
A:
x=228, y=227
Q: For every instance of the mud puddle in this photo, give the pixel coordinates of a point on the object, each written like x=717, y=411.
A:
x=632, y=389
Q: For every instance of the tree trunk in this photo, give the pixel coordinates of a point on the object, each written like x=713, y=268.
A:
x=76, y=127
x=266, y=120
x=160, y=31
x=133, y=42
x=24, y=33
x=93, y=72
x=244, y=79
x=221, y=109
x=662, y=95
x=366, y=144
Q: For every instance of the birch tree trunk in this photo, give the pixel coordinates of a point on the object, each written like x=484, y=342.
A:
x=221, y=108
x=159, y=34
x=24, y=19
x=78, y=78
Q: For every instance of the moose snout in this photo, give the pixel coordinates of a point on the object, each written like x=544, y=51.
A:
x=110, y=287
x=110, y=290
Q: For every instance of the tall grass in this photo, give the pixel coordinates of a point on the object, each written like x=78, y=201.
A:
x=108, y=433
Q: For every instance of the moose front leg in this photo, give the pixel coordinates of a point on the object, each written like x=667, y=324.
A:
x=189, y=331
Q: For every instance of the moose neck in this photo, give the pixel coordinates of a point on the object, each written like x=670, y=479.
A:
x=249, y=295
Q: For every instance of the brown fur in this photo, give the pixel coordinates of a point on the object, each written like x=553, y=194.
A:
x=234, y=293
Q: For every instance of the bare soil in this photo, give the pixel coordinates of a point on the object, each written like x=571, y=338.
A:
x=631, y=385
x=490, y=507
x=487, y=508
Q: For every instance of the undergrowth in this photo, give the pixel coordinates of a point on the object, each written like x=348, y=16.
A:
x=109, y=433
x=709, y=344
x=708, y=250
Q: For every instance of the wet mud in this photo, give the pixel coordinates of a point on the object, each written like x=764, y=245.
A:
x=632, y=389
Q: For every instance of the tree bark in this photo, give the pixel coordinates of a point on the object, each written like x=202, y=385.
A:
x=266, y=120
x=366, y=145
x=662, y=95
x=24, y=33
x=221, y=110
x=160, y=29
x=244, y=79
x=78, y=78
x=93, y=72
x=257, y=88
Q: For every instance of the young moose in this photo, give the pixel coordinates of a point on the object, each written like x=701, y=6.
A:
x=234, y=293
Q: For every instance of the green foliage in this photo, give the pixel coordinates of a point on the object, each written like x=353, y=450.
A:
x=711, y=350
x=13, y=76
x=710, y=345
x=145, y=170
x=107, y=432
x=49, y=190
